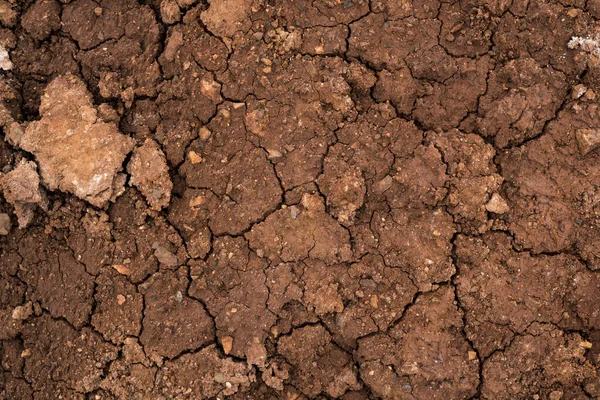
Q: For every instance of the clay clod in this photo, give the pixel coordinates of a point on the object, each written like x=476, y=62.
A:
x=77, y=152
x=150, y=174
x=21, y=188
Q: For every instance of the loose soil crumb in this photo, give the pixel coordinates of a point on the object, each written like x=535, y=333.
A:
x=21, y=189
x=267, y=199
x=150, y=174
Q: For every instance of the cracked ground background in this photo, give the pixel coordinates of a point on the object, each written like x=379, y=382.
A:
x=350, y=199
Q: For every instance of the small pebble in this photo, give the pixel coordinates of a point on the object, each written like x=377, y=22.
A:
x=374, y=301
x=556, y=395
x=227, y=343
x=578, y=91
x=588, y=140
x=472, y=355
x=204, y=133
x=121, y=299
x=384, y=184
x=122, y=269
x=165, y=257
x=23, y=312
x=98, y=11
x=274, y=153
x=197, y=201
x=497, y=205
x=194, y=157
x=294, y=212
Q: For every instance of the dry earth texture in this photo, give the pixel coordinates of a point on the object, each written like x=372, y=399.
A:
x=300, y=199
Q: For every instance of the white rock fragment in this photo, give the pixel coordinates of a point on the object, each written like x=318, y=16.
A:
x=5, y=62
x=587, y=44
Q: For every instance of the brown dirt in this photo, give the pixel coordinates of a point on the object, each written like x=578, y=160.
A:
x=268, y=199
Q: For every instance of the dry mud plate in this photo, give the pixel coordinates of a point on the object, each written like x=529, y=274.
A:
x=299, y=199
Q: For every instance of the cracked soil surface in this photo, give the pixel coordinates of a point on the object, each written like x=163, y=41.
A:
x=299, y=199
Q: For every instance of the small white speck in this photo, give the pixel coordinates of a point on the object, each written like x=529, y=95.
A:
x=5, y=62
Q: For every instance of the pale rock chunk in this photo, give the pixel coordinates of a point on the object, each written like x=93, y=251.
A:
x=497, y=205
x=76, y=151
x=5, y=62
x=23, y=312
